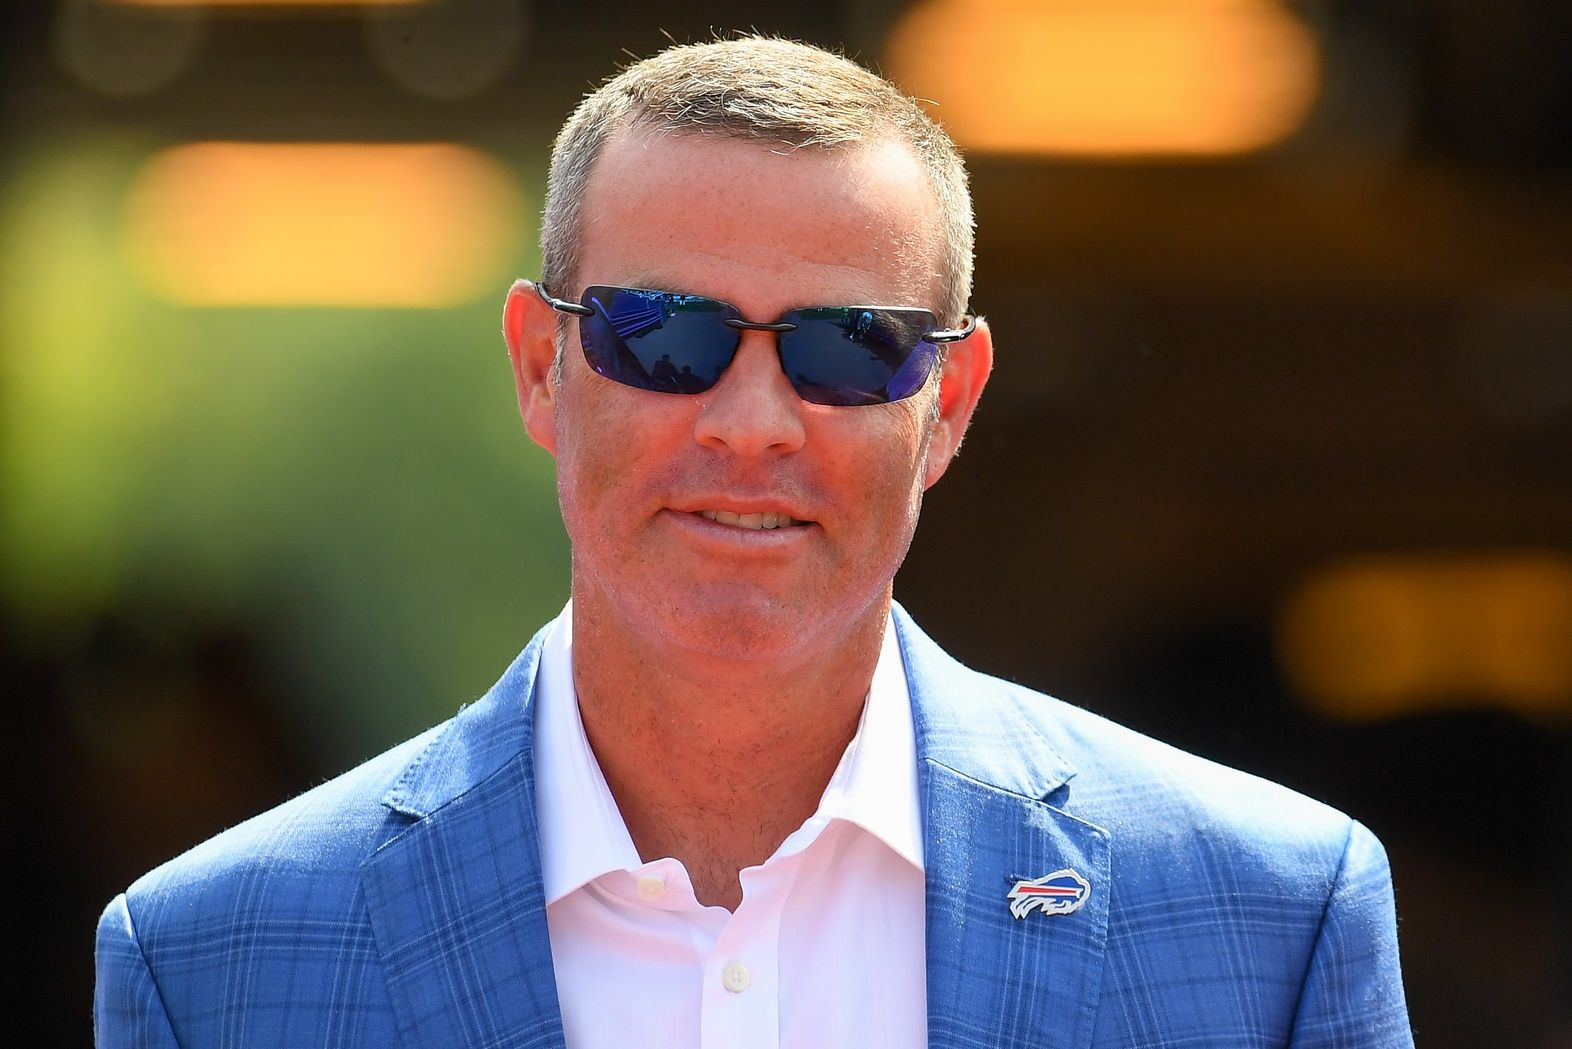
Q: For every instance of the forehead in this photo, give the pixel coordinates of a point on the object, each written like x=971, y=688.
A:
x=764, y=227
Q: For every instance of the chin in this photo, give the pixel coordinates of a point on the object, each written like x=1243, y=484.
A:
x=737, y=630
x=742, y=627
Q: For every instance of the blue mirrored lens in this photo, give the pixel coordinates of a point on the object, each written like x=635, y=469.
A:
x=846, y=355
x=836, y=355
x=656, y=340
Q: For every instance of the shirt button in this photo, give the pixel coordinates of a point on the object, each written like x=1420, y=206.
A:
x=651, y=888
x=736, y=977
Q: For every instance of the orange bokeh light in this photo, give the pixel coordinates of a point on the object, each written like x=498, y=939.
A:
x=1109, y=77
x=333, y=224
x=1378, y=637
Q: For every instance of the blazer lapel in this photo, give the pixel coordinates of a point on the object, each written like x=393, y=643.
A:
x=455, y=900
x=993, y=787
x=995, y=980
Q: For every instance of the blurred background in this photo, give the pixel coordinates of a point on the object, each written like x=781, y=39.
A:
x=1276, y=464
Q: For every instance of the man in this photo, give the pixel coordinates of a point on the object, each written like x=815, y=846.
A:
x=733, y=796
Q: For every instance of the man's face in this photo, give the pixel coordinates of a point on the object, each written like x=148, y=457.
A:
x=637, y=471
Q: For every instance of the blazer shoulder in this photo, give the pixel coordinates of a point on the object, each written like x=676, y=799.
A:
x=1159, y=801
x=312, y=846
x=1215, y=873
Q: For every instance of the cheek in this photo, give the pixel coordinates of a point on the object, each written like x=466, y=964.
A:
x=916, y=438
x=590, y=448
x=613, y=449
x=892, y=467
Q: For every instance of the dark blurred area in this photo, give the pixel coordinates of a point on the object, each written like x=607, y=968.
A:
x=1276, y=463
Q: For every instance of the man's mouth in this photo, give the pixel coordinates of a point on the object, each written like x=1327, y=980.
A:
x=763, y=520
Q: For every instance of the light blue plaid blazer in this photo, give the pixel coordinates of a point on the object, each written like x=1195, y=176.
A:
x=401, y=904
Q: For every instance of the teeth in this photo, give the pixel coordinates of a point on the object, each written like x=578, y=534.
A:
x=764, y=520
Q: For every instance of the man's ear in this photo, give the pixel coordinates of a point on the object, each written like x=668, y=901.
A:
x=967, y=365
x=530, y=327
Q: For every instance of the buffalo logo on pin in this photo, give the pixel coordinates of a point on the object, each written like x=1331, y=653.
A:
x=1062, y=892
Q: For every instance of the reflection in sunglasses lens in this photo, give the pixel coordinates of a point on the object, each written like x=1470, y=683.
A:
x=672, y=343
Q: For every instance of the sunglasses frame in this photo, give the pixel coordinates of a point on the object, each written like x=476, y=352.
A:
x=940, y=337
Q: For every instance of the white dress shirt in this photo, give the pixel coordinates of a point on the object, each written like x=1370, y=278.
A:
x=826, y=948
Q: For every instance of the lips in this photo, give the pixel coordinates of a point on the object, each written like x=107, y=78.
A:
x=765, y=520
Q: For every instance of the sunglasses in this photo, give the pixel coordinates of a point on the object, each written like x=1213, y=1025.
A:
x=668, y=342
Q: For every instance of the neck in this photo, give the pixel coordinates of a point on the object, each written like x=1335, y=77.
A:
x=715, y=759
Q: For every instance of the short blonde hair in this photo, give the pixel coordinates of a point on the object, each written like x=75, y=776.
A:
x=758, y=89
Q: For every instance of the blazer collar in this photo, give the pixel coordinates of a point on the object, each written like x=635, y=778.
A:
x=480, y=740
x=963, y=721
x=995, y=793
x=969, y=724
x=455, y=899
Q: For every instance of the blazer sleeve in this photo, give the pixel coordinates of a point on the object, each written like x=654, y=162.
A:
x=1353, y=992
x=128, y=1010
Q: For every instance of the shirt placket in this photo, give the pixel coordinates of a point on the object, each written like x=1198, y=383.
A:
x=741, y=999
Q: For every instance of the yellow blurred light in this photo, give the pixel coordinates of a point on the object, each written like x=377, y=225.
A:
x=328, y=224
x=1376, y=638
x=1109, y=77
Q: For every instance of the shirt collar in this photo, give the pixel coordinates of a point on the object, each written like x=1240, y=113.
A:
x=582, y=833
x=875, y=785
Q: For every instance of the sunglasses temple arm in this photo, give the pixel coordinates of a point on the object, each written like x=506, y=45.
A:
x=955, y=335
x=562, y=305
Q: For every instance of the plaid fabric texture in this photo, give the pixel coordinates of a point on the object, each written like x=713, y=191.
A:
x=401, y=904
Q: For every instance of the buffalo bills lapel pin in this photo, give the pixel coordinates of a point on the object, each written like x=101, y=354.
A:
x=1062, y=892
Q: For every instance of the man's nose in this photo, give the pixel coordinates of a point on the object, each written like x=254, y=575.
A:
x=752, y=410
